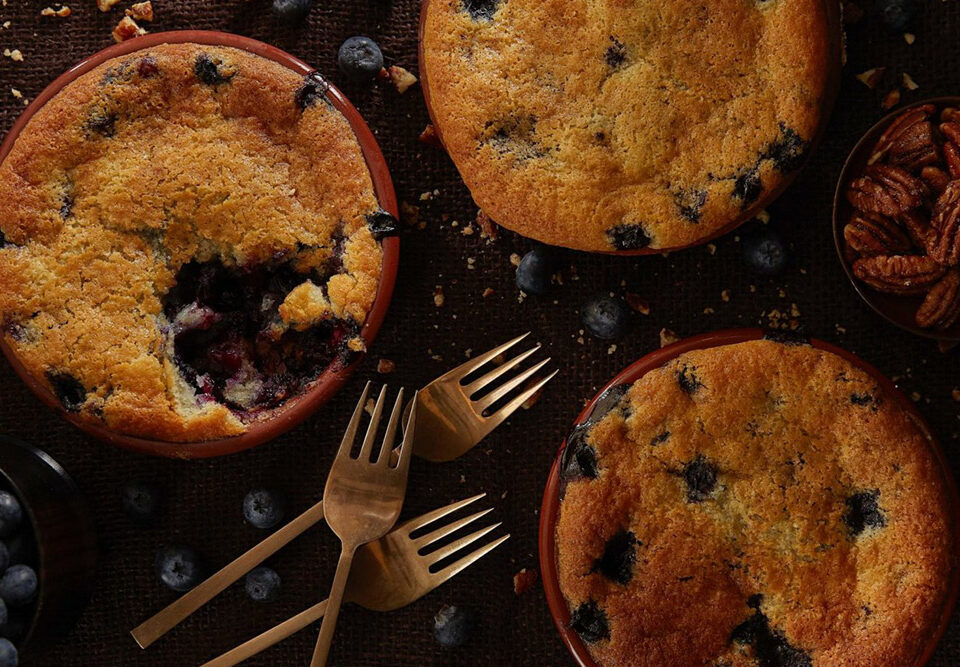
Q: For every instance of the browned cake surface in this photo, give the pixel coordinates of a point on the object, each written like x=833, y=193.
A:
x=191, y=161
x=615, y=124
x=755, y=504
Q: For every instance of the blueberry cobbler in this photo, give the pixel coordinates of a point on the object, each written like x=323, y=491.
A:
x=754, y=504
x=610, y=125
x=190, y=236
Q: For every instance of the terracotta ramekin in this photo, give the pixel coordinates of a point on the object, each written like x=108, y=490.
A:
x=64, y=536
x=323, y=388
x=900, y=310
x=831, y=91
x=550, y=509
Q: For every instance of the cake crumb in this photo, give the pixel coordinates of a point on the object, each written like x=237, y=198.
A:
x=524, y=580
x=515, y=259
x=13, y=54
x=711, y=248
x=127, y=29
x=725, y=295
x=16, y=93
x=909, y=37
x=871, y=77
x=487, y=292
x=401, y=78
x=410, y=214
x=63, y=12
x=438, y=298
x=106, y=5
x=708, y=311
x=467, y=230
x=909, y=83
x=488, y=228
x=140, y=11
x=386, y=366
x=668, y=337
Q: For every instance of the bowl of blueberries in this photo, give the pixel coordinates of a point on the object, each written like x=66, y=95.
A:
x=48, y=551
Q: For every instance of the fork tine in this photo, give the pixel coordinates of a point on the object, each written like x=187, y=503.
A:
x=430, y=517
x=373, y=425
x=454, y=547
x=351, y=433
x=509, y=386
x=406, y=447
x=468, y=367
x=503, y=413
x=443, y=531
x=459, y=566
x=479, y=384
x=386, y=450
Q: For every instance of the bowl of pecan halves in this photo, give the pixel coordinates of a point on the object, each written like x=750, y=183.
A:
x=896, y=218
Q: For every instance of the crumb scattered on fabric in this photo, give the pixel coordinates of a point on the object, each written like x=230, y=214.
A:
x=386, y=366
x=871, y=77
x=438, y=298
x=127, y=29
x=487, y=292
x=524, y=580
x=668, y=337
x=106, y=5
x=140, y=11
x=909, y=83
x=401, y=78
x=13, y=54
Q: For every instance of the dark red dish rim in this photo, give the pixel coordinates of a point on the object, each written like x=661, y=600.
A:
x=549, y=512
x=323, y=388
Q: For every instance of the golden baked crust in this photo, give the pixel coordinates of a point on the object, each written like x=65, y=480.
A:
x=755, y=504
x=156, y=163
x=615, y=124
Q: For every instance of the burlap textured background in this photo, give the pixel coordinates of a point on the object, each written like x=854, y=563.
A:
x=203, y=498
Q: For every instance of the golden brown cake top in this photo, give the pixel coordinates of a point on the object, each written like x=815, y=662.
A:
x=755, y=504
x=188, y=239
x=606, y=124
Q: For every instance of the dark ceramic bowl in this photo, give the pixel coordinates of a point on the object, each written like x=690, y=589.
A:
x=550, y=510
x=899, y=310
x=66, y=545
x=832, y=89
x=298, y=408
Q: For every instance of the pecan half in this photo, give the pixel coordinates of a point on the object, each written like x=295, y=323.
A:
x=899, y=274
x=951, y=155
x=886, y=190
x=941, y=308
x=935, y=178
x=944, y=246
x=869, y=234
x=909, y=140
x=949, y=114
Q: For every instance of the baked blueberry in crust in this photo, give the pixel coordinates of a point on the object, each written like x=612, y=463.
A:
x=180, y=271
x=701, y=542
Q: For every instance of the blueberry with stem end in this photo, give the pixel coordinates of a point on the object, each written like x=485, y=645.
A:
x=291, y=11
x=606, y=317
x=11, y=513
x=18, y=585
x=359, y=58
x=263, y=509
x=262, y=584
x=140, y=501
x=764, y=251
x=452, y=626
x=179, y=568
x=535, y=271
x=8, y=654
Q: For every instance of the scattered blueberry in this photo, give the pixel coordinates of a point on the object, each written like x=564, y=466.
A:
x=4, y=614
x=291, y=11
x=8, y=654
x=18, y=585
x=606, y=317
x=11, y=514
x=360, y=58
x=535, y=271
x=764, y=251
x=140, y=501
x=179, y=568
x=4, y=559
x=896, y=14
x=263, y=509
x=263, y=584
x=452, y=626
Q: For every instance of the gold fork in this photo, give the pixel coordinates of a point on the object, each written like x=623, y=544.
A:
x=363, y=498
x=448, y=427
x=389, y=573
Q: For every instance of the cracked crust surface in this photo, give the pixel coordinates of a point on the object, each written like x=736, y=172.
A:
x=781, y=511
x=605, y=124
x=173, y=154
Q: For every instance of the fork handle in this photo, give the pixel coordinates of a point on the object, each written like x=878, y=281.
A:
x=274, y=635
x=322, y=650
x=155, y=627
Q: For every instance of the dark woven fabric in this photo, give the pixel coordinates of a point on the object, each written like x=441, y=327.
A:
x=203, y=503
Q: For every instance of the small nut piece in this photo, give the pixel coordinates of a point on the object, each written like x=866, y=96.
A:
x=869, y=234
x=944, y=245
x=886, y=190
x=899, y=274
x=941, y=308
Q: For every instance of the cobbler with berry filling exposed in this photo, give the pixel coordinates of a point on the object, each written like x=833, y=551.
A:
x=609, y=125
x=754, y=504
x=190, y=237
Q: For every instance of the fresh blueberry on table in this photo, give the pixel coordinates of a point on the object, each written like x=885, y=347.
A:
x=179, y=568
x=452, y=626
x=8, y=654
x=606, y=317
x=18, y=585
x=11, y=514
x=896, y=14
x=764, y=251
x=291, y=11
x=535, y=271
x=263, y=509
x=140, y=501
x=359, y=58
x=263, y=584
